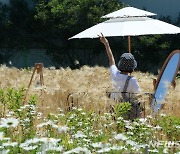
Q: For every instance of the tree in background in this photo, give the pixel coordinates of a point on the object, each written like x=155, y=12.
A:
x=49, y=23
x=21, y=22
x=69, y=17
x=63, y=19
x=4, y=15
x=152, y=50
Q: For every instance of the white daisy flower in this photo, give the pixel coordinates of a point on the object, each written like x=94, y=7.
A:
x=78, y=150
x=165, y=150
x=100, y=145
x=27, y=144
x=50, y=123
x=13, y=144
x=136, y=123
x=61, y=115
x=162, y=115
x=32, y=141
x=9, y=115
x=178, y=127
x=60, y=148
x=2, y=137
x=49, y=143
x=79, y=134
x=103, y=150
x=149, y=117
x=120, y=137
x=33, y=112
x=74, y=108
x=27, y=120
x=158, y=127
x=28, y=148
x=132, y=143
x=142, y=120
x=118, y=147
x=52, y=140
x=120, y=118
x=79, y=109
x=129, y=127
x=126, y=121
x=149, y=126
x=5, y=151
x=130, y=133
x=62, y=129
x=9, y=122
x=25, y=106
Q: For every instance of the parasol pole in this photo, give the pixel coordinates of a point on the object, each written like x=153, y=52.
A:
x=129, y=44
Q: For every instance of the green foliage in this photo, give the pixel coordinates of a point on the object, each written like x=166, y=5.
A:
x=18, y=12
x=122, y=109
x=62, y=19
x=152, y=51
x=170, y=126
x=13, y=100
x=18, y=24
x=3, y=14
x=69, y=17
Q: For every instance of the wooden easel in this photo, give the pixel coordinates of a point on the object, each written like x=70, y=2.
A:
x=39, y=69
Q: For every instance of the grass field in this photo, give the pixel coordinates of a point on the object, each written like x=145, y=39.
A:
x=71, y=114
x=87, y=87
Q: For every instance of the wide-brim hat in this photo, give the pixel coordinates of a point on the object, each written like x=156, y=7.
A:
x=127, y=62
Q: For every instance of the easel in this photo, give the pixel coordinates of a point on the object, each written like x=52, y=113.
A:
x=39, y=69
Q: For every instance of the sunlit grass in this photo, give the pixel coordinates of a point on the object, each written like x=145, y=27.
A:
x=84, y=88
x=72, y=114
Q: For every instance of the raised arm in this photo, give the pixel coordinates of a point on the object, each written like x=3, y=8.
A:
x=108, y=49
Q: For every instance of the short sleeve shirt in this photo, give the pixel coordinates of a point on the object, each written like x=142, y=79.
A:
x=119, y=80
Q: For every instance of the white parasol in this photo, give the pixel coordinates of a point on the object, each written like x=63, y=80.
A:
x=125, y=22
x=128, y=12
x=132, y=26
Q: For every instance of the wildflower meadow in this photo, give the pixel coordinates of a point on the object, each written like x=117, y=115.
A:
x=64, y=117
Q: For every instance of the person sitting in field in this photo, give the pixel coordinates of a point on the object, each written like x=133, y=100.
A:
x=124, y=84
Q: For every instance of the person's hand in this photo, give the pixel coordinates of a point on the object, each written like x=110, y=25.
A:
x=103, y=39
x=108, y=49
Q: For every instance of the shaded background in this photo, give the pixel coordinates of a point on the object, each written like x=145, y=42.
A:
x=37, y=31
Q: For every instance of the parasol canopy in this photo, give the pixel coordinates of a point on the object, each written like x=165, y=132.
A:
x=128, y=12
x=129, y=27
x=128, y=21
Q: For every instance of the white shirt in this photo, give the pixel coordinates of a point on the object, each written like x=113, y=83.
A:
x=119, y=80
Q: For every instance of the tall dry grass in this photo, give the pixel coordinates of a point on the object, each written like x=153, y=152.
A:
x=85, y=88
